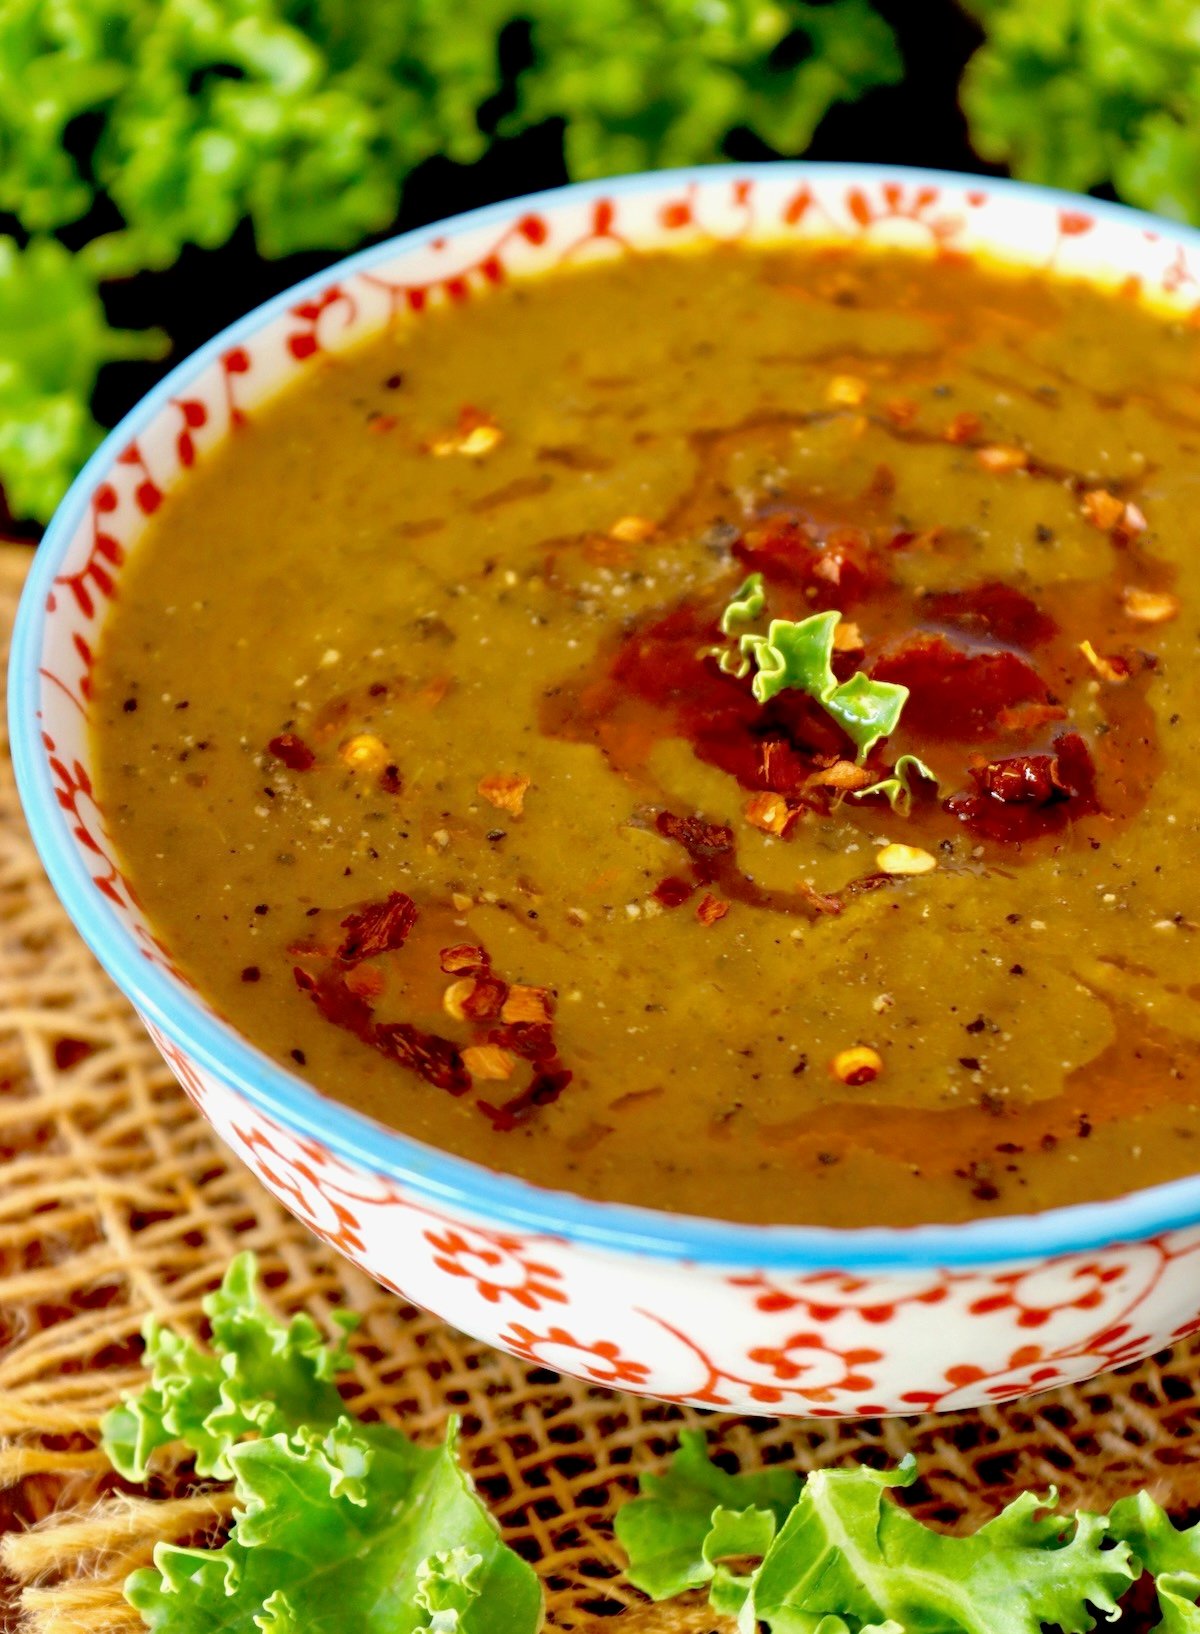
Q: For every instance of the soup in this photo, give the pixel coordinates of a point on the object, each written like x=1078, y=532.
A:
x=705, y=730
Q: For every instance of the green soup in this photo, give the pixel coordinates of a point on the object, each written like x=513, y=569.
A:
x=711, y=731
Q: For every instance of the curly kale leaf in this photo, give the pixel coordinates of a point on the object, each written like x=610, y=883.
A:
x=1080, y=93
x=1170, y=1554
x=306, y=115
x=665, y=1530
x=801, y=655
x=303, y=117
x=356, y=1528
x=53, y=339
x=841, y=1558
x=651, y=83
x=260, y=1376
x=340, y=1524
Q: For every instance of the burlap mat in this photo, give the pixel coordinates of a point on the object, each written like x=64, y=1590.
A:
x=116, y=1200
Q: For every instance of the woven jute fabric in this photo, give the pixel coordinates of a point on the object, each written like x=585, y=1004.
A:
x=116, y=1200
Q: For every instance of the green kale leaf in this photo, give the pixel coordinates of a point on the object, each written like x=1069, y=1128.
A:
x=846, y=1560
x=54, y=337
x=1170, y=1555
x=259, y=1377
x=664, y=1530
x=340, y=1524
x=801, y=655
x=898, y=789
x=845, y=1551
x=345, y=1530
x=1083, y=93
x=307, y=117
x=645, y=84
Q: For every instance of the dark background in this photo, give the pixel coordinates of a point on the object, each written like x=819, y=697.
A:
x=917, y=122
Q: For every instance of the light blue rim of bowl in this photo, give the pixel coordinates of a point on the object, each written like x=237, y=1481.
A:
x=439, y=1177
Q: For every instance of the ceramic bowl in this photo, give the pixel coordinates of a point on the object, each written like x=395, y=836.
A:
x=784, y=1320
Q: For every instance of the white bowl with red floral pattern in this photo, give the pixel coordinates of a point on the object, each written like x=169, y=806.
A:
x=781, y=1319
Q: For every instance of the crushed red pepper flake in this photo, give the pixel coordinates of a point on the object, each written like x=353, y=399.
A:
x=1149, y=606
x=1025, y=718
x=963, y=428
x=486, y=999
x=672, y=892
x=488, y=1061
x=700, y=839
x=1021, y=779
x=292, y=751
x=993, y=609
x=1102, y=509
x=438, y=1060
x=771, y=813
x=543, y=1090
x=365, y=980
x=522, y=1003
x=505, y=791
x=1018, y=797
x=901, y=411
x=463, y=957
x=819, y=901
x=531, y=1040
x=1111, y=667
x=710, y=909
x=380, y=927
x=842, y=775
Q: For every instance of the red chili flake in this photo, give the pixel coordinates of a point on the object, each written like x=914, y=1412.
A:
x=963, y=427
x=711, y=909
x=1076, y=769
x=486, y=999
x=1026, y=718
x=992, y=609
x=69, y=1052
x=293, y=751
x=901, y=411
x=438, y=1060
x=1020, y=780
x=390, y=780
x=818, y=901
x=876, y=880
x=378, y=928
x=545, y=1088
x=365, y=980
x=252, y=973
x=531, y=1040
x=336, y=1003
x=955, y=693
x=701, y=840
x=834, y=570
x=672, y=891
x=463, y=959
x=1023, y=796
x=784, y=771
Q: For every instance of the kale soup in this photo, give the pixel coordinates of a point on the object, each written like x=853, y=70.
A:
x=705, y=730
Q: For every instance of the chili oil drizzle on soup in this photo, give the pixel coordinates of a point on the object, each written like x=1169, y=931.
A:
x=488, y=729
